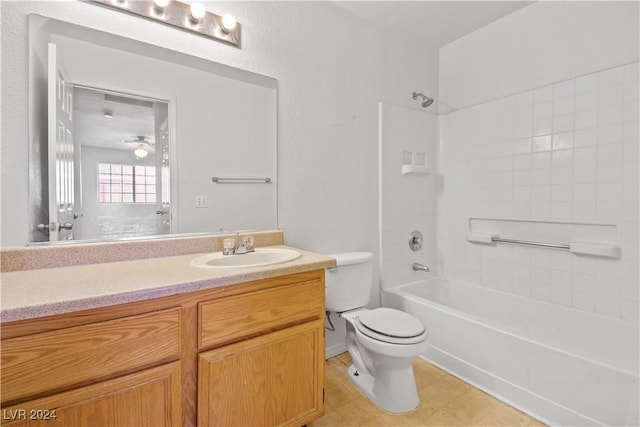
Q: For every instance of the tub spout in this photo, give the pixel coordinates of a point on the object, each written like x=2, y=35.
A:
x=420, y=267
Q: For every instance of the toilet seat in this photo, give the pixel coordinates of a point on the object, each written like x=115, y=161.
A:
x=391, y=326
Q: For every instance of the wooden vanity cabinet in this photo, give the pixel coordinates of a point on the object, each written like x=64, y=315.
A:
x=246, y=354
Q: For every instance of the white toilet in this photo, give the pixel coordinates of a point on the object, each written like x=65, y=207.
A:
x=383, y=342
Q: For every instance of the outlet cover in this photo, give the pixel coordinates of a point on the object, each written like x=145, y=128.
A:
x=201, y=202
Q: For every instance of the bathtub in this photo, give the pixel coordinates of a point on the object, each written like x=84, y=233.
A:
x=561, y=365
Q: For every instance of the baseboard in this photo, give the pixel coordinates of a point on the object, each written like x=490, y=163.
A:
x=334, y=350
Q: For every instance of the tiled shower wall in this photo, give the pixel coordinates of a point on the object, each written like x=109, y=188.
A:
x=564, y=152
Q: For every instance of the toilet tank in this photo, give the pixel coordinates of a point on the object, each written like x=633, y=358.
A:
x=348, y=286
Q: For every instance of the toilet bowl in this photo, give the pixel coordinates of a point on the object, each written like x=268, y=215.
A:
x=382, y=357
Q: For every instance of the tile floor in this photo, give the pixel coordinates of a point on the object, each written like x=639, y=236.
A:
x=444, y=401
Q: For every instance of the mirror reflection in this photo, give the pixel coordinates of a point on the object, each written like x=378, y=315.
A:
x=126, y=139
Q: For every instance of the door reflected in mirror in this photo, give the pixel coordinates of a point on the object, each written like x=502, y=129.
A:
x=136, y=136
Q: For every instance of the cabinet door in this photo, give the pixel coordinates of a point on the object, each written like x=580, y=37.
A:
x=148, y=398
x=274, y=379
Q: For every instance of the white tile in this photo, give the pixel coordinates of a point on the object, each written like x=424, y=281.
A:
x=610, y=95
x=585, y=156
x=610, y=115
x=561, y=193
x=561, y=158
x=541, y=160
x=542, y=126
x=540, y=257
x=631, y=131
x=584, y=174
x=609, y=211
x=561, y=260
x=631, y=72
x=584, y=301
x=566, y=106
x=584, y=264
x=565, y=122
x=541, y=143
x=611, y=134
x=522, y=162
x=585, y=211
x=608, y=306
x=524, y=98
x=629, y=231
x=524, y=129
x=629, y=311
x=586, y=101
x=631, y=271
x=585, y=137
x=522, y=209
x=521, y=146
x=611, y=172
x=612, y=76
x=562, y=174
x=541, y=292
x=561, y=296
x=630, y=291
x=541, y=193
x=632, y=91
x=611, y=153
x=608, y=287
x=521, y=178
x=583, y=283
x=522, y=194
x=584, y=192
x=586, y=118
x=563, y=89
x=541, y=176
x=631, y=111
x=586, y=83
x=541, y=275
x=562, y=140
x=609, y=192
x=630, y=211
x=540, y=210
x=562, y=210
x=543, y=94
x=608, y=268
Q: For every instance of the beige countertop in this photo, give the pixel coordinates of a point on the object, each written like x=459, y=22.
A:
x=35, y=293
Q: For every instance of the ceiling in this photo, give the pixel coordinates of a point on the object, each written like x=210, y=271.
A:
x=432, y=23
x=132, y=119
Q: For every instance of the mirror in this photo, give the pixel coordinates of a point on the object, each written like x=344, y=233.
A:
x=130, y=140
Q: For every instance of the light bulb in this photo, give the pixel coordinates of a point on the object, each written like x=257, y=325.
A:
x=161, y=3
x=140, y=152
x=228, y=22
x=198, y=11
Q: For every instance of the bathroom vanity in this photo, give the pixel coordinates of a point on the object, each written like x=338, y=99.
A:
x=242, y=346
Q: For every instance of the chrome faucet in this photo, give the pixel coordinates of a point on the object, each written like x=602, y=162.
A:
x=245, y=246
x=420, y=267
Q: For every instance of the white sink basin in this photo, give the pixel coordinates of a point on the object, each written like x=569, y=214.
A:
x=261, y=257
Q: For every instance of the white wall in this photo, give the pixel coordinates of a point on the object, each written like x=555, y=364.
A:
x=332, y=69
x=545, y=42
x=561, y=146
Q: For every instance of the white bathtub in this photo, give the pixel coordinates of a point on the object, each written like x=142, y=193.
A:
x=563, y=366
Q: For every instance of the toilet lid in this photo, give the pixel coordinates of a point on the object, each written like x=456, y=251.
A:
x=389, y=325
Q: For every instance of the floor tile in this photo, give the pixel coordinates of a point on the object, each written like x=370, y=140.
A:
x=444, y=401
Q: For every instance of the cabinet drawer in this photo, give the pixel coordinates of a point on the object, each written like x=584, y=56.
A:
x=232, y=318
x=33, y=365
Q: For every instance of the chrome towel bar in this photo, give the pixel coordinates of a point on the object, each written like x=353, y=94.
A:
x=240, y=180
x=529, y=243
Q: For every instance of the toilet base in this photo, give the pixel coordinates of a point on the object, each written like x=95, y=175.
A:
x=396, y=393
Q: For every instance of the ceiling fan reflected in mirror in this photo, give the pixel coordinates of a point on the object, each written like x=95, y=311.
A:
x=141, y=144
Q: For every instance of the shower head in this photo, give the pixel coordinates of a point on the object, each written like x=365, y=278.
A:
x=426, y=101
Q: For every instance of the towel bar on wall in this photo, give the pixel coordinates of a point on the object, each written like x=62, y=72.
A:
x=240, y=180
x=607, y=250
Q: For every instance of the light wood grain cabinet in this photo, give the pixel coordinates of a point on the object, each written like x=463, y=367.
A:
x=246, y=354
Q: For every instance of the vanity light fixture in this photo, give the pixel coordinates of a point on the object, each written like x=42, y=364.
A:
x=190, y=17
